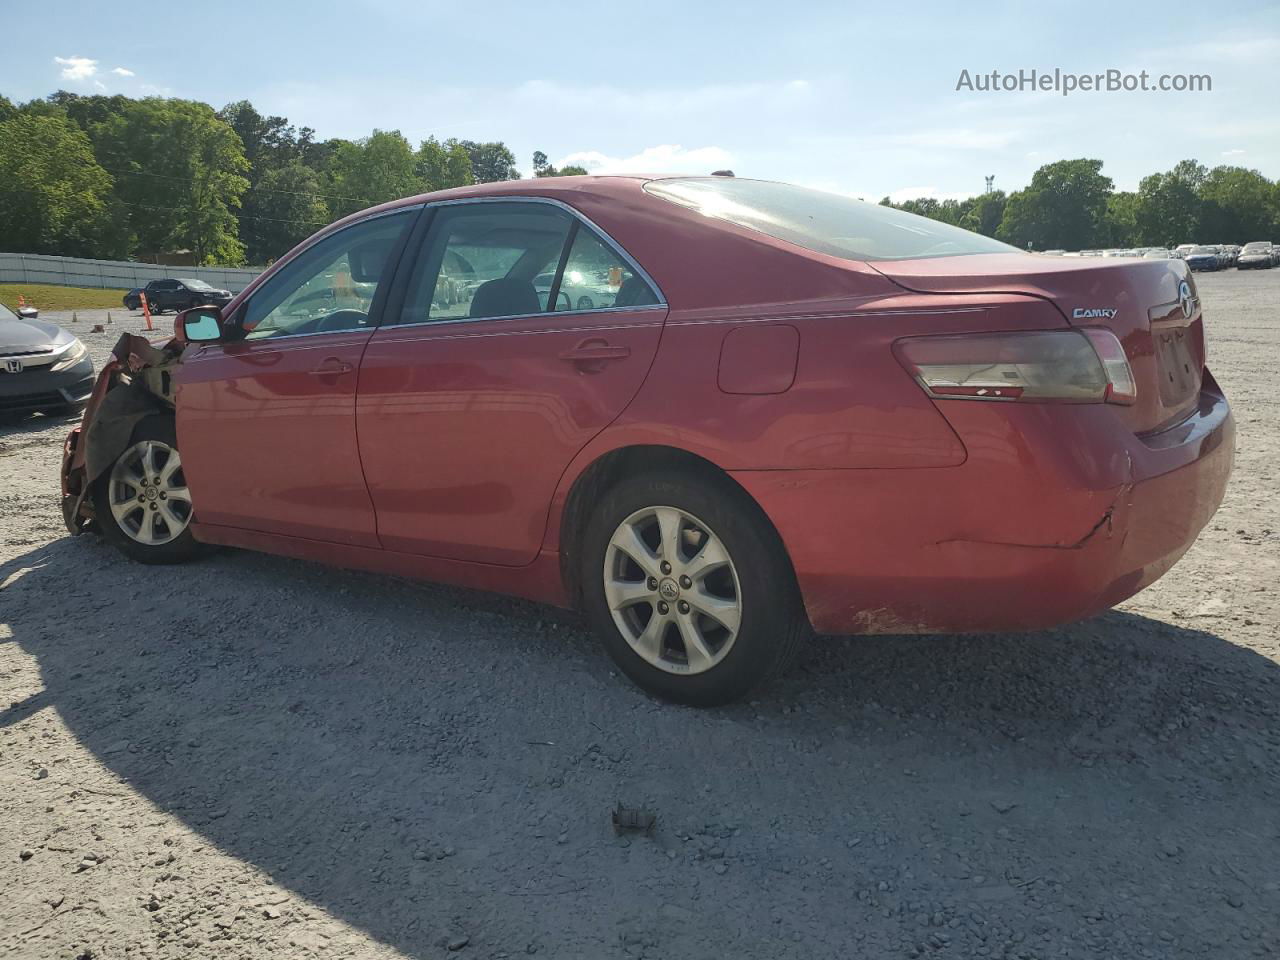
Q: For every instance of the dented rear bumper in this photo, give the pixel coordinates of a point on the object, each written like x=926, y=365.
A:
x=1037, y=529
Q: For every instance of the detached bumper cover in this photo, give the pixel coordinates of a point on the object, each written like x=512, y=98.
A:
x=906, y=551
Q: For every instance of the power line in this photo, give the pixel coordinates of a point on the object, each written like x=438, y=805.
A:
x=238, y=216
x=296, y=193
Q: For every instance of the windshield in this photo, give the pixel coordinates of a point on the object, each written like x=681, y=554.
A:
x=1204, y=250
x=1256, y=246
x=196, y=285
x=6, y=313
x=823, y=222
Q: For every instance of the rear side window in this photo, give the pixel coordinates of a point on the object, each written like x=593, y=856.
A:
x=823, y=222
x=596, y=276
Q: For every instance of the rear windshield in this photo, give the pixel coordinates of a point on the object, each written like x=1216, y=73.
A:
x=823, y=222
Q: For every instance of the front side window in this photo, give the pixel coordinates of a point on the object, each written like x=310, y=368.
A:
x=823, y=222
x=487, y=260
x=330, y=286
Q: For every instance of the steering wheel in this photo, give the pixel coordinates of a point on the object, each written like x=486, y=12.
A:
x=340, y=320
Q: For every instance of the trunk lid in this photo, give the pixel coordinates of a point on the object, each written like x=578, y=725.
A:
x=1161, y=329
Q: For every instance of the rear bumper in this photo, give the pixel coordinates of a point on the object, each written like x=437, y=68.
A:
x=36, y=389
x=1053, y=522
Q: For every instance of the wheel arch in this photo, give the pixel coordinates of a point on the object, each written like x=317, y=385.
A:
x=611, y=466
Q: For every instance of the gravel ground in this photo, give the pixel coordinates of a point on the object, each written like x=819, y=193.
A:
x=256, y=757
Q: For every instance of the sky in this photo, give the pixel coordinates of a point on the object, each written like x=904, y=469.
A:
x=855, y=98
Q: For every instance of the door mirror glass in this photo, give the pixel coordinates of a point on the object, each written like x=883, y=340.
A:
x=200, y=326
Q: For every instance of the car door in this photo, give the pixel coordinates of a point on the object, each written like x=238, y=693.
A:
x=266, y=418
x=476, y=392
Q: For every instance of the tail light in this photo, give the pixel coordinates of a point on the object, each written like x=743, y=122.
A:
x=1074, y=366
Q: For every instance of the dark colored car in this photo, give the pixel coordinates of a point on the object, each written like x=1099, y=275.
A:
x=784, y=411
x=1205, y=258
x=42, y=366
x=1257, y=255
x=133, y=299
x=183, y=294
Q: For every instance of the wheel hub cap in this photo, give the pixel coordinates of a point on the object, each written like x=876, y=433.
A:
x=672, y=590
x=148, y=493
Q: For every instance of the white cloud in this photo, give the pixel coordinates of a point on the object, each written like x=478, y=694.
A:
x=1232, y=153
x=665, y=158
x=76, y=68
x=122, y=72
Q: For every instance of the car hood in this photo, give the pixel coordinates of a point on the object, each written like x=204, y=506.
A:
x=20, y=333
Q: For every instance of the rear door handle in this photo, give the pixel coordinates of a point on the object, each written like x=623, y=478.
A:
x=331, y=367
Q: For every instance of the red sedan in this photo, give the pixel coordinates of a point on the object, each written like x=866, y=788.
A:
x=784, y=411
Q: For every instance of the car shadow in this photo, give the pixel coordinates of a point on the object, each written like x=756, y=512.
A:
x=414, y=759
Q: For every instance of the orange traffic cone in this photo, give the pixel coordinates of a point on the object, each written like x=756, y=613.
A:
x=146, y=311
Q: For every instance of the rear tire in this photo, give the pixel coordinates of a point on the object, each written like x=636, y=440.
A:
x=690, y=588
x=148, y=521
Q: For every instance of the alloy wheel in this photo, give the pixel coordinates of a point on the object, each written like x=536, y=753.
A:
x=672, y=590
x=148, y=493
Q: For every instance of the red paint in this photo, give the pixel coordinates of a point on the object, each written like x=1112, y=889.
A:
x=449, y=451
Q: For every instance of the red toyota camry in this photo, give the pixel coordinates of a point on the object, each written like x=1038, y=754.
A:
x=716, y=414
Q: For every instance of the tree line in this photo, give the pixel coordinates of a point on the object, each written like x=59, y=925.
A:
x=1072, y=205
x=113, y=177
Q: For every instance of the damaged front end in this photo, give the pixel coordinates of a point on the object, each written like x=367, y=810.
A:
x=136, y=383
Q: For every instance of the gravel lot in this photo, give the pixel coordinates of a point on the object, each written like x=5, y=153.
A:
x=256, y=757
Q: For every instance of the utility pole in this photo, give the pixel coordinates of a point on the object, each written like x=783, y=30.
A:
x=990, y=180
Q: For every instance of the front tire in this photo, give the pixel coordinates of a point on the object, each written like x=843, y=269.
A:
x=689, y=587
x=142, y=503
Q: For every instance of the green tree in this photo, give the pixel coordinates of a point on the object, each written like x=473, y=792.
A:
x=442, y=165
x=984, y=213
x=284, y=209
x=7, y=110
x=491, y=161
x=379, y=168
x=1064, y=206
x=1122, y=220
x=53, y=194
x=542, y=167
x=1236, y=206
x=180, y=174
x=1168, y=206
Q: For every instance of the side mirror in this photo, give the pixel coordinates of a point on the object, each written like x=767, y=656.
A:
x=28, y=313
x=367, y=260
x=198, y=325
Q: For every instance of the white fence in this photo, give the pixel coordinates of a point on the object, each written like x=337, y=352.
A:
x=124, y=274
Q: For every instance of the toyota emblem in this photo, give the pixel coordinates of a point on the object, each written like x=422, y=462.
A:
x=1186, y=299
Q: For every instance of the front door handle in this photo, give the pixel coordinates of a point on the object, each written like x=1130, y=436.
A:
x=331, y=367
x=591, y=354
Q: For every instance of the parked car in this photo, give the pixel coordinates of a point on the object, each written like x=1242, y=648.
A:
x=42, y=367
x=1257, y=255
x=183, y=294
x=799, y=412
x=1159, y=255
x=1205, y=258
x=1183, y=249
x=133, y=299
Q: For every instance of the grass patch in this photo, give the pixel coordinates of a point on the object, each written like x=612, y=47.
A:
x=45, y=296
